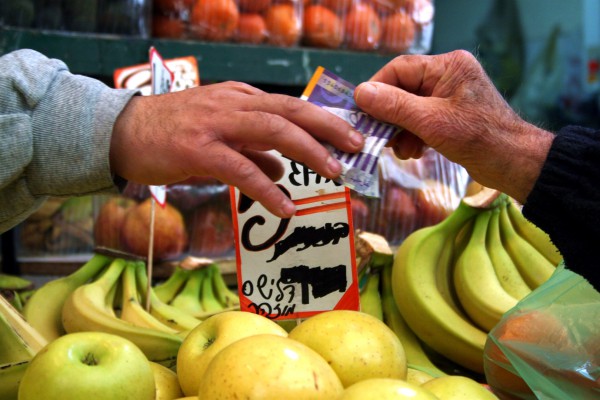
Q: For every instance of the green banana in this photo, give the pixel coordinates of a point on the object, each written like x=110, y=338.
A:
x=167, y=314
x=416, y=357
x=227, y=297
x=414, y=284
x=533, y=265
x=208, y=298
x=167, y=290
x=478, y=288
x=188, y=299
x=10, y=378
x=132, y=309
x=85, y=310
x=43, y=310
x=508, y=274
x=534, y=235
x=14, y=282
x=370, y=297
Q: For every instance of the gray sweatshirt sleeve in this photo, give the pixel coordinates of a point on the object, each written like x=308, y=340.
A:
x=55, y=130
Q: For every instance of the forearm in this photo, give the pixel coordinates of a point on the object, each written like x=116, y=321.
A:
x=565, y=201
x=56, y=130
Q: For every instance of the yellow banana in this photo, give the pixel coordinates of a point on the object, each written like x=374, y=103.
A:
x=507, y=272
x=445, y=267
x=416, y=357
x=370, y=297
x=43, y=310
x=534, y=235
x=167, y=290
x=132, y=309
x=208, y=298
x=10, y=378
x=478, y=288
x=419, y=300
x=166, y=313
x=84, y=310
x=533, y=265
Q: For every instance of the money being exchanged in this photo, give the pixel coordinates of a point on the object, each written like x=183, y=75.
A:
x=360, y=171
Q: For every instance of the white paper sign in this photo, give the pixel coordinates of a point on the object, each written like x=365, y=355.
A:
x=297, y=267
x=162, y=81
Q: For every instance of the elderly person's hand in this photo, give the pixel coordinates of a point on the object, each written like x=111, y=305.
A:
x=448, y=102
x=224, y=130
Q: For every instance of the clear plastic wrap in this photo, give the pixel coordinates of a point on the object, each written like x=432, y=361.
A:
x=61, y=227
x=413, y=194
x=387, y=26
x=196, y=220
x=548, y=346
x=273, y=22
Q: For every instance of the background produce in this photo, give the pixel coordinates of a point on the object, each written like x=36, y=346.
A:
x=196, y=221
x=362, y=25
x=59, y=227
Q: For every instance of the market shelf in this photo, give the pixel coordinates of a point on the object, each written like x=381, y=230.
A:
x=99, y=55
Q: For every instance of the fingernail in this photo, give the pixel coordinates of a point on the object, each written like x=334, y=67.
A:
x=288, y=207
x=366, y=92
x=334, y=166
x=356, y=138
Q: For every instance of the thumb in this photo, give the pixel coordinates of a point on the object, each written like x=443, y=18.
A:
x=390, y=104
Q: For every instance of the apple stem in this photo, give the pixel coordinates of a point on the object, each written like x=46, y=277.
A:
x=89, y=359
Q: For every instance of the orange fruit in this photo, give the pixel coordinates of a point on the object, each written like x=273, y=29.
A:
x=322, y=27
x=398, y=32
x=363, y=27
x=214, y=20
x=172, y=6
x=251, y=28
x=254, y=6
x=167, y=27
x=339, y=6
x=283, y=24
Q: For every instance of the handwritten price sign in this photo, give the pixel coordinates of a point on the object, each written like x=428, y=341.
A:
x=297, y=267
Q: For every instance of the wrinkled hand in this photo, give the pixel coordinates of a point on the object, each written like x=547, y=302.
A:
x=224, y=131
x=448, y=102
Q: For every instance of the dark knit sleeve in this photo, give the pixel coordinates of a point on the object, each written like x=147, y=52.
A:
x=565, y=201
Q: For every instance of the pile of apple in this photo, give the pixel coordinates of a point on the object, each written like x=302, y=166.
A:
x=240, y=355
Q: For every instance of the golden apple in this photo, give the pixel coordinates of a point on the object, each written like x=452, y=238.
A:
x=357, y=345
x=386, y=389
x=456, y=387
x=208, y=338
x=269, y=367
x=167, y=384
x=88, y=365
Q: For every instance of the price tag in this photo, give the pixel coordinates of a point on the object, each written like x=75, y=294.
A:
x=297, y=267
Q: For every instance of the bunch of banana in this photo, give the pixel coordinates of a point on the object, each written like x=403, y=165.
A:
x=19, y=342
x=453, y=281
x=94, y=306
x=200, y=292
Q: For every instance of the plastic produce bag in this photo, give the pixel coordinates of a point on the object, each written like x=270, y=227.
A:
x=548, y=346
